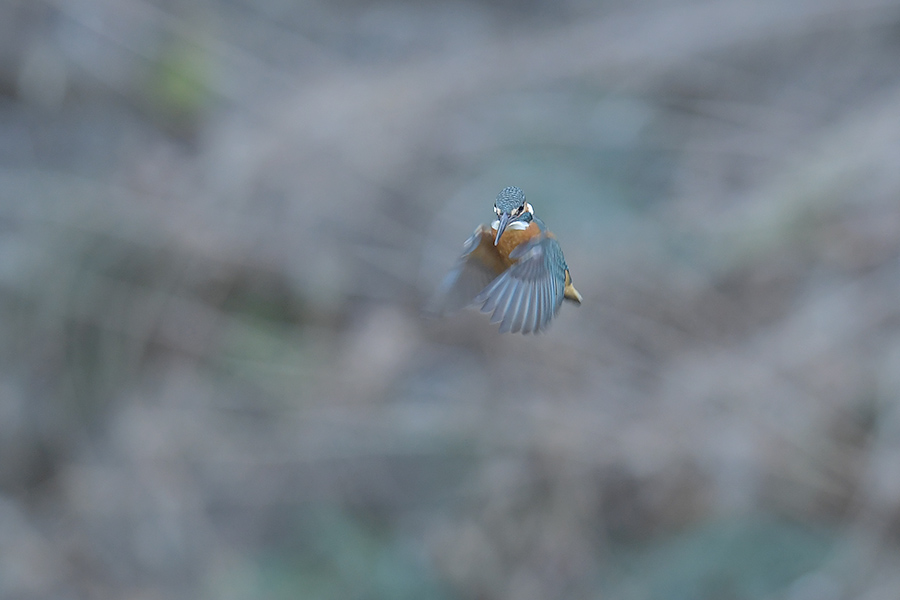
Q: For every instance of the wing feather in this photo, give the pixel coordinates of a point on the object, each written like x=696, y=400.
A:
x=501, y=304
x=528, y=294
x=473, y=272
x=522, y=306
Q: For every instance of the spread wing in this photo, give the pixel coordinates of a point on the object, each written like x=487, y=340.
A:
x=527, y=295
x=474, y=270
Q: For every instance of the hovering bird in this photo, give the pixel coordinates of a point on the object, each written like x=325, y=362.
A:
x=513, y=269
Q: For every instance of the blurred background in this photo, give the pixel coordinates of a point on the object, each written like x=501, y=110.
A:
x=220, y=220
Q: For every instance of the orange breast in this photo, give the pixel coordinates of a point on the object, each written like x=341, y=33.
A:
x=512, y=238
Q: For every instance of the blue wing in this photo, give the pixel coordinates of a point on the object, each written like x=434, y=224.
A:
x=473, y=272
x=528, y=294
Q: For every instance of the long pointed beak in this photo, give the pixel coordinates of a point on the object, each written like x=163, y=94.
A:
x=504, y=221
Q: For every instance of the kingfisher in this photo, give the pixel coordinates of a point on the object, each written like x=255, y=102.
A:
x=513, y=269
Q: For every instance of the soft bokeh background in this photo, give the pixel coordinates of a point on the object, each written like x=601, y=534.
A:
x=219, y=221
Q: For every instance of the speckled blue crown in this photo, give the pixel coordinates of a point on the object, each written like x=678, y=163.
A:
x=510, y=199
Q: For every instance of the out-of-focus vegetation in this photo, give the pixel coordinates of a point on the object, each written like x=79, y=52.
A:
x=219, y=221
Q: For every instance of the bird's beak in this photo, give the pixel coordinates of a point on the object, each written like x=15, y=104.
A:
x=504, y=221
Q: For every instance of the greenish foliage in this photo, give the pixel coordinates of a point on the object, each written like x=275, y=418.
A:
x=746, y=558
x=332, y=555
x=178, y=88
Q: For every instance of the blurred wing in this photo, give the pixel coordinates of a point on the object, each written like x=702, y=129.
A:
x=529, y=293
x=476, y=268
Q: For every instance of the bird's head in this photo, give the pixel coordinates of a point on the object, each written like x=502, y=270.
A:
x=511, y=206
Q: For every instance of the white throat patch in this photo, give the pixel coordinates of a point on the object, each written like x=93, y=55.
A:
x=513, y=225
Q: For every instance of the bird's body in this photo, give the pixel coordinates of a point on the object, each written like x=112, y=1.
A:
x=513, y=269
x=512, y=238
